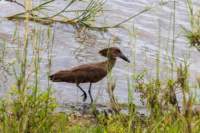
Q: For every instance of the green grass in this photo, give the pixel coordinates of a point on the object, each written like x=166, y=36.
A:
x=193, y=34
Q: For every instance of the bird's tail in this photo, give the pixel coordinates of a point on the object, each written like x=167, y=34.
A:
x=54, y=78
x=60, y=76
x=51, y=77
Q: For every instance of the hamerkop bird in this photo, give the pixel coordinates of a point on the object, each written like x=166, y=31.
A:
x=90, y=73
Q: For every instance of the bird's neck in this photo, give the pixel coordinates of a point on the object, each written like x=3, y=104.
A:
x=110, y=63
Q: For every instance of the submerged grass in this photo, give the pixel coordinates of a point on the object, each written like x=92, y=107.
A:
x=28, y=109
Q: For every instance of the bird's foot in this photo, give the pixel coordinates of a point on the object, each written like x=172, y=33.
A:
x=84, y=95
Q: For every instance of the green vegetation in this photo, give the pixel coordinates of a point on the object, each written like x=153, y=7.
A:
x=193, y=34
x=27, y=108
x=84, y=17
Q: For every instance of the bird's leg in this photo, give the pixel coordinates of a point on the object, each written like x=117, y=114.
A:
x=84, y=93
x=89, y=91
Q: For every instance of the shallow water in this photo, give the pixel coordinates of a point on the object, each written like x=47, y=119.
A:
x=71, y=49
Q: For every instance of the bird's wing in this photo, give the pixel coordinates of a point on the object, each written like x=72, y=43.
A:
x=89, y=73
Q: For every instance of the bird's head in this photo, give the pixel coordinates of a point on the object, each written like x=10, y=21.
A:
x=113, y=52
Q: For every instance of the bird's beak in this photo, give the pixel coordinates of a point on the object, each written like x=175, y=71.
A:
x=122, y=56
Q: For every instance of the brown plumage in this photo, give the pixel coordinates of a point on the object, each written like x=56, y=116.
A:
x=90, y=73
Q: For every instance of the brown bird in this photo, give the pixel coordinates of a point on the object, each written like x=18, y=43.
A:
x=90, y=73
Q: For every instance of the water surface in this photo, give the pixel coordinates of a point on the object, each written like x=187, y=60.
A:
x=153, y=36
